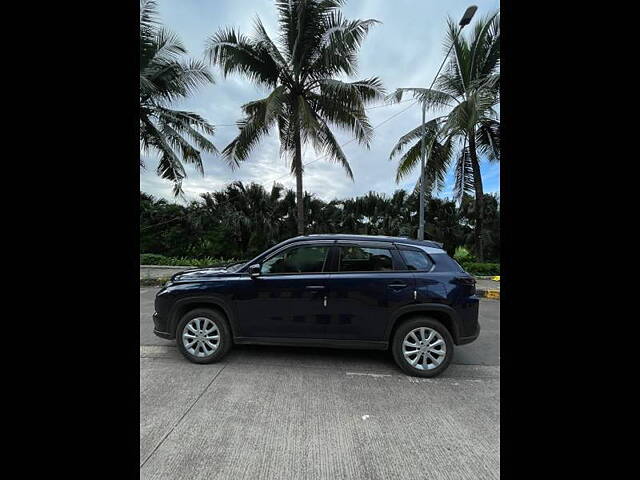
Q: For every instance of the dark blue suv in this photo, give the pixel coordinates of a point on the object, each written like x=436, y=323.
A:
x=345, y=291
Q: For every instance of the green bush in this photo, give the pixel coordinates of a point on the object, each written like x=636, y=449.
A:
x=463, y=255
x=155, y=259
x=475, y=268
x=152, y=259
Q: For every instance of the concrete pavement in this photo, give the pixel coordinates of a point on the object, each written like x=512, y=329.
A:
x=307, y=413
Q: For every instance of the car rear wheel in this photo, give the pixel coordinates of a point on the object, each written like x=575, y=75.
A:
x=422, y=347
x=203, y=336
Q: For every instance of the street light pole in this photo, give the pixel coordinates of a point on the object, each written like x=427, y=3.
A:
x=464, y=21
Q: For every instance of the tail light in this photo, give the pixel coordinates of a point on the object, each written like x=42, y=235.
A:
x=466, y=282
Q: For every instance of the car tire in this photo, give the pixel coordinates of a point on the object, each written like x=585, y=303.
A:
x=432, y=356
x=196, y=336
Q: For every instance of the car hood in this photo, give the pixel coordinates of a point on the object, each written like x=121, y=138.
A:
x=199, y=274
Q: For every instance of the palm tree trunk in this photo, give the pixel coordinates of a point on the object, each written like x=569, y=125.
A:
x=298, y=171
x=479, y=207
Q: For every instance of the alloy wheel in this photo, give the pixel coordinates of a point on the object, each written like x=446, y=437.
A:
x=424, y=348
x=201, y=337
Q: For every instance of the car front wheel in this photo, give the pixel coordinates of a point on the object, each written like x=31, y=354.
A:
x=422, y=347
x=203, y=336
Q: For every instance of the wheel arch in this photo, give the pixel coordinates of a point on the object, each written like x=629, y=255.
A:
x=184, y=305
x=443, y=313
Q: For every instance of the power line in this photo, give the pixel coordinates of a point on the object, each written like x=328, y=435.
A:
x=367, y=108
x=158, y=224
x=389, y=104
x=316, y=159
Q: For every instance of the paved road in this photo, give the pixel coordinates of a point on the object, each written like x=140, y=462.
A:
x=306, y=413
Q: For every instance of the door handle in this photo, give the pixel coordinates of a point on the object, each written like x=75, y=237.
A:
x=397, y=285
x=315, y=287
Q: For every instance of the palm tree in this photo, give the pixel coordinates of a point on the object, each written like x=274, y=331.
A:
x=250, y=213
x=440, y=148
x=472, y=82
x=398, y=216
x=470, y=87
x=164, y=78
x=315, y=45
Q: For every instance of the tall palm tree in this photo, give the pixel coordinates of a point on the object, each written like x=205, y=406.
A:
x=164, y=78
x=315, y=45
x=470, y=88
x=472, y=81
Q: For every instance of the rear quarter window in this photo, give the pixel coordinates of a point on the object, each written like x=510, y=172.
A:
x=444, y=263
x=416, y=260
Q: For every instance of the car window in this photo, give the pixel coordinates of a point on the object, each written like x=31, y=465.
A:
x=362, y=259
x=416, y=260
x=304, y=259
x=444, y=263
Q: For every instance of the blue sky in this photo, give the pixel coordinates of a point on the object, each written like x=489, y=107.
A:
x=405, y=50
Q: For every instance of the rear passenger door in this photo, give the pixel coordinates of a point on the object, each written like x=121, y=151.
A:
x=368, y=281
x=430, y=281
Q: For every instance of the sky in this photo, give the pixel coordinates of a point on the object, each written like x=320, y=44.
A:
x=405, y=50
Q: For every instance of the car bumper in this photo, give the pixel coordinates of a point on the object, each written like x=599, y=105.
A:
x=470, y=338
x=160, y=327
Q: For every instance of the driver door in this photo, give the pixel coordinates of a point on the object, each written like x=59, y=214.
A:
x=287, y=299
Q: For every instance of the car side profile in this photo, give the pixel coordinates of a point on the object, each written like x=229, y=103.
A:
x=340, y=291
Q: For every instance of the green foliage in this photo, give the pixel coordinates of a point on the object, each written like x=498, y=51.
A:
x=152, y=259
x=469, y=89
x=463, y=255
x=482, y=268
x=240, y=221
x=166, y=76
x=155, y=259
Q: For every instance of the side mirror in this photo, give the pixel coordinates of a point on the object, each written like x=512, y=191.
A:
x=254, y=270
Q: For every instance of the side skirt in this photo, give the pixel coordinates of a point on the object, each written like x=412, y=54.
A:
x=313, y=342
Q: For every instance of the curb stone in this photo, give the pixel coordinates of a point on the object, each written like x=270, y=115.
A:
x=493, y=294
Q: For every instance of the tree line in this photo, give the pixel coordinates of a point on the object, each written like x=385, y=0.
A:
x=241, y=220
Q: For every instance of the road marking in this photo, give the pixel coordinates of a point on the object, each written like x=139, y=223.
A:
x=374, y=375
x=447, y=380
